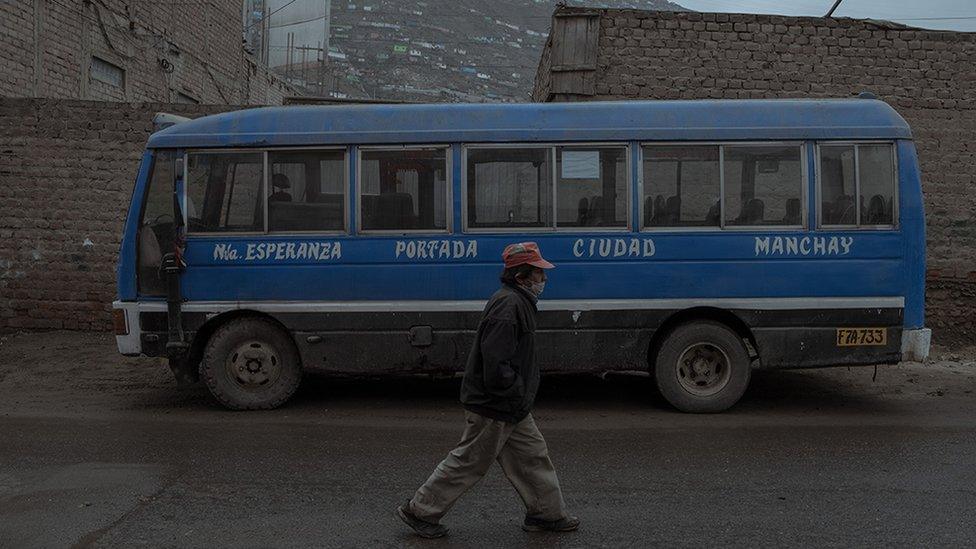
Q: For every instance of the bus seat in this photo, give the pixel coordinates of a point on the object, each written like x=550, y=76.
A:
x=660, y=208
x=150, y=257
x=827, y=212
x=582, y=212
x=876, y=214
x=714, y=215
x=754, y=212
x=844, y=213
x=673, y=206
x=394, y=211
x=792, y=216
x=305, y=216
x=648, y=210
x=596, y=211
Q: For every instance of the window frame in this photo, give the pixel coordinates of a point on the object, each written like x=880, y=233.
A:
x=554, y=186
x=266, y=176
x=345, y=189
x=857, y=226
x=804, y=184
x=448, y=183
x=186, y=185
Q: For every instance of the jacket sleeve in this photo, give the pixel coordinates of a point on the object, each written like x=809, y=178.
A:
x=499, y=344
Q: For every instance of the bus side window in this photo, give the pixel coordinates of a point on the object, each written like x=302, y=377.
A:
x=510, y=188
x=224, y=192
x=763, y=184
x=307, y=191
x=857, y=185
x=837, y=185
x=591, y=186
x=156, y=227
x=682, y=186
x=404, y=189
x=876, y=184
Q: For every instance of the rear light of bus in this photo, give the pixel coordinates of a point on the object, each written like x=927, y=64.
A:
x=118, y=320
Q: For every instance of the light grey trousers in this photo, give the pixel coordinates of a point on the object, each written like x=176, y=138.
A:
x=519, y=449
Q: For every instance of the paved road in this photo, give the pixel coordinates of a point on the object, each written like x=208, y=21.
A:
x=97, y=450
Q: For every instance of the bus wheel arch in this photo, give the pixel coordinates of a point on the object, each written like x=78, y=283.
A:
x=701, y=359
x=263, y=379
x=722, y=316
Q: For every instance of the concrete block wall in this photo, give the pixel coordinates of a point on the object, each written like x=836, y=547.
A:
x=169, y=51
x=928, y=76
x=67, y=169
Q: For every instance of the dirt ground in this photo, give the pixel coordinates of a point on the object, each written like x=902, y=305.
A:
x=82, y=374
x=99, y=450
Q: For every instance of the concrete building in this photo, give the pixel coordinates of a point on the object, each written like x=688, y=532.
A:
x=926, y=75
x=126, y=51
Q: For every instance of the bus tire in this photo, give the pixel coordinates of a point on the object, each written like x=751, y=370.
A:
x=251, y=364
x=702, y=367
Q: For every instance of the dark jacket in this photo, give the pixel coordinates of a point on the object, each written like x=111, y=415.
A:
x=501, y=377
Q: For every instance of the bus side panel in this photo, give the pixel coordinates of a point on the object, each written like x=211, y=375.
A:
x=812, y=338
x=569, y=341
x=912, y=221
x=125, y=273
x=366, y=343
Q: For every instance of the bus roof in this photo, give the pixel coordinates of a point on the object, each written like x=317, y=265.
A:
x=703, y=120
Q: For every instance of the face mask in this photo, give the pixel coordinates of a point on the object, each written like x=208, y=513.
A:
x=536, y=288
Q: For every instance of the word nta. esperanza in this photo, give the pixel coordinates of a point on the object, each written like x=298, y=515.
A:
x=279, y=251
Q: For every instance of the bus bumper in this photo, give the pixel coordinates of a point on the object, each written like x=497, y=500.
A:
x=128, y=333
x=915, y=344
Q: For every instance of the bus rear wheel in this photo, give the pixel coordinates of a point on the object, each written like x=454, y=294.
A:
x=251, y=364
x=702, y=367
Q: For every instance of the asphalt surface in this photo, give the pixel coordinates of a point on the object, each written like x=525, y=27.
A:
x=97, y=450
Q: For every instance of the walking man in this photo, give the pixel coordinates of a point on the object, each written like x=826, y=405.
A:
x=500, y=383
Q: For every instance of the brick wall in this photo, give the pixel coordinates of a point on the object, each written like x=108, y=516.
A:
x=169, y=52
x=66, y=174
x=928, y=76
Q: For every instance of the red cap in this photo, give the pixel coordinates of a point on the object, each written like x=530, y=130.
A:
x=523, y=253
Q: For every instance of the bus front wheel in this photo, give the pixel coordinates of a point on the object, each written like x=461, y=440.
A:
x=702, y=367
x=251, y=364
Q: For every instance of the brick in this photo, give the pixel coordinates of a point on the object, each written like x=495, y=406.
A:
x=928, y=76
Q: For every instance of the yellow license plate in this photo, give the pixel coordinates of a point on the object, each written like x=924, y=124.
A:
x=853, y=337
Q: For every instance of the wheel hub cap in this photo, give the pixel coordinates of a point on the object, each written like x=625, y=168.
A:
x=254, y=364
x=703, y=369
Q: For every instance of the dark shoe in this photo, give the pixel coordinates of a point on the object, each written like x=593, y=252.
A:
x=423, y=528
x=566, y=524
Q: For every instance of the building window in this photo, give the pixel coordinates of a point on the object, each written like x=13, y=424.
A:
x=403, y=189
x=857, y=185
x=763, y=185
x=591, y=186
x=225, y=192
x=103, y=71
x=509, y=187
x=307, y=190
x=682, y=186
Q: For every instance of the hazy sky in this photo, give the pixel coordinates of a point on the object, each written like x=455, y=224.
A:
x=957, y=15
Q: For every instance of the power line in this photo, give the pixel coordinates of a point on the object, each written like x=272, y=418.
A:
x=270, y=14
x=935, y=18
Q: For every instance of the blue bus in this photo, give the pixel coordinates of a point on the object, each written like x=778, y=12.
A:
x=694, y=240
